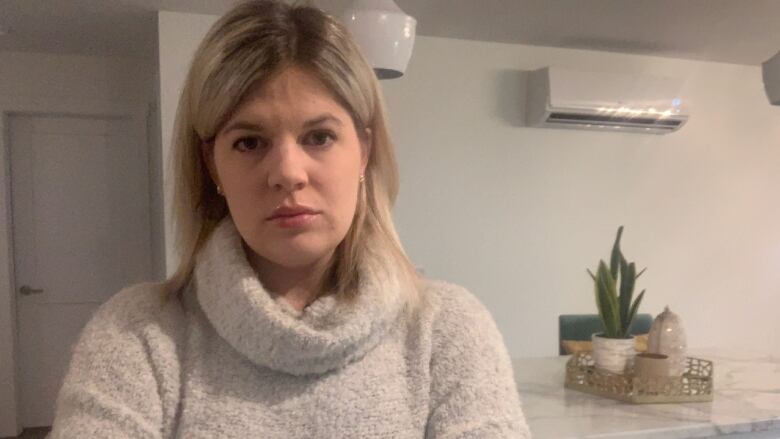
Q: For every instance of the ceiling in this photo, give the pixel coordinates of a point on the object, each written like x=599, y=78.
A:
x=732, y=31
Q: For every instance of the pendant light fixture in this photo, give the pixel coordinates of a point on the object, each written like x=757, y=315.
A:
x=384, y=33
x=771, y=73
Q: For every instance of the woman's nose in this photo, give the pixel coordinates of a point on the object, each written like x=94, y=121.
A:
x=287, y=170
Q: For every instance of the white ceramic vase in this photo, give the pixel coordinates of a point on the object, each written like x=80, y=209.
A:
x=613, y=354
x=667, y=337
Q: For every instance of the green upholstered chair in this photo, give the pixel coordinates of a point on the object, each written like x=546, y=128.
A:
x=582, y=326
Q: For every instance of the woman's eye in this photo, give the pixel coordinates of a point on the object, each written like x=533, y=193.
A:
x=247, y=144
x=320, y=138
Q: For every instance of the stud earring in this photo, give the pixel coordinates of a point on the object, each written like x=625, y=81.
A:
x=362, y=178
x=219, y=190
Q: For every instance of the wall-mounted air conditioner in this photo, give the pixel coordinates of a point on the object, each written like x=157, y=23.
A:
x=564, y=98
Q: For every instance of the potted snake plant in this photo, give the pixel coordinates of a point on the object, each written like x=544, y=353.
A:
x=613, y=349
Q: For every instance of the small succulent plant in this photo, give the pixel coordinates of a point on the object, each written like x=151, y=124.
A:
x=615, y=306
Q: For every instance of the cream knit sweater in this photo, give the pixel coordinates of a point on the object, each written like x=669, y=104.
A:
x=229, y=361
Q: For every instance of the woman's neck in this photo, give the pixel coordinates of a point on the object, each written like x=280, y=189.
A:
x=299, y=286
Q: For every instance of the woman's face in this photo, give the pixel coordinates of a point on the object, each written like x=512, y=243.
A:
x=289, y=163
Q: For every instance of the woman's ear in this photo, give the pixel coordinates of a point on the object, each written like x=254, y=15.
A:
x=207, y=155
x=366, y=144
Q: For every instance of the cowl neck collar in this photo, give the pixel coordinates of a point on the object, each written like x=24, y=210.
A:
x=327, y=334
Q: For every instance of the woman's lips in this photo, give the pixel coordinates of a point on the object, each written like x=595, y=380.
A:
x=294, y=221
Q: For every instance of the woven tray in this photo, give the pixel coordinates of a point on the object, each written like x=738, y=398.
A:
x=695, y=385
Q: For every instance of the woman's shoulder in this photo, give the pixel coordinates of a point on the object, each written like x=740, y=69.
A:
x=473, y=391
x=122, y=368
x=137, y=319
x=137, y=305
x=454, y=307
x=451, y=297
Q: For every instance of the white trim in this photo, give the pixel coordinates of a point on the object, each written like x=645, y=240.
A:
x=10, y=424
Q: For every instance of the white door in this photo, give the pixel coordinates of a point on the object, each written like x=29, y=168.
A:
x=81, y=232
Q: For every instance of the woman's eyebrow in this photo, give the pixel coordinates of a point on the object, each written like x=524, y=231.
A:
x=252, y=126
x=242, y=125
x=323, y=118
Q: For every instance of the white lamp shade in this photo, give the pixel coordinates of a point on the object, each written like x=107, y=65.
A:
x=771, y=73
x=384, y=33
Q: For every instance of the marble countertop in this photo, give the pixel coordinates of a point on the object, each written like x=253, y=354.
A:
x=747, y=399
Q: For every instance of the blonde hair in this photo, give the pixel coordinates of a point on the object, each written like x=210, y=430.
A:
x=244, y=48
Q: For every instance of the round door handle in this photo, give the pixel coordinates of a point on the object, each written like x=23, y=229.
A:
x=26, y=290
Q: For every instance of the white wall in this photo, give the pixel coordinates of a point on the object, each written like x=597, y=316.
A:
x=48, y=80
x=517, y=214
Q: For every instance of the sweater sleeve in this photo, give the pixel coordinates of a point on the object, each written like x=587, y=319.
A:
x=110, y=389
x=473, y=390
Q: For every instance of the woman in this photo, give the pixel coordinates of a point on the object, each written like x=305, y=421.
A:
x=295, y=312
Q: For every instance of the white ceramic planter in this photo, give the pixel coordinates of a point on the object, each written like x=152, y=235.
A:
x=613, y=354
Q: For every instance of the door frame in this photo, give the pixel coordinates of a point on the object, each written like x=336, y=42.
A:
x=10, y=418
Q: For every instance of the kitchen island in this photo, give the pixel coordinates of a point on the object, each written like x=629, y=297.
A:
x=746, y=403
